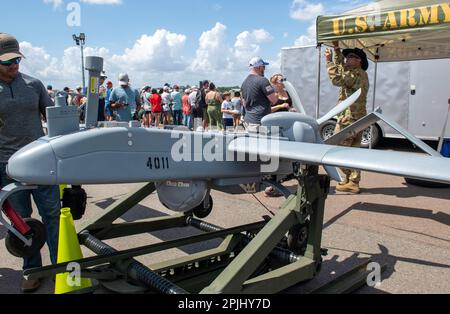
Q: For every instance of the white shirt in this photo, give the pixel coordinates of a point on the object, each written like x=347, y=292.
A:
x=166, y=100
x=227, y=105
x=192, y=98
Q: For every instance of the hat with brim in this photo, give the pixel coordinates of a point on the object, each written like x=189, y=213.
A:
x=10, y=56
x=9, y=48
x=361, y=54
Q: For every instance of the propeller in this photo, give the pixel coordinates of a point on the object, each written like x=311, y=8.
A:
x=295, y=97
x=340, y=108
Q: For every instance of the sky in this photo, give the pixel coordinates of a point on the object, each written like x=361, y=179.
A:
x=156, y=42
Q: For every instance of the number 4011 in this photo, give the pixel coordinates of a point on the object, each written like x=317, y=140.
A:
x=158, y=163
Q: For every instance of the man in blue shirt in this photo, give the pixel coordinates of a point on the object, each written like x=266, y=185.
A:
x=177, y=106
x=124, y=100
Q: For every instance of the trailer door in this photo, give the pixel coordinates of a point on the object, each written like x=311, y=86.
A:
x=429, y=101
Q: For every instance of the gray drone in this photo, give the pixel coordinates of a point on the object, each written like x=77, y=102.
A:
x=185, y=166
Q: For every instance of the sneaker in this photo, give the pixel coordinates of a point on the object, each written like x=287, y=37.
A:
x=30, y=285
x=351, y=187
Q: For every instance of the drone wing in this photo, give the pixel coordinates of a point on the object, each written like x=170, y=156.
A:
x=409, y=165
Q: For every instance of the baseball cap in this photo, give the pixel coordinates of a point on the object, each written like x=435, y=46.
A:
x=109, y=83
x=124, y=79
x=103, y=75
x=9, y=48
x=257, y=62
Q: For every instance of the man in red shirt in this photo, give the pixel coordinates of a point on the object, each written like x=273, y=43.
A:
x=187, y=109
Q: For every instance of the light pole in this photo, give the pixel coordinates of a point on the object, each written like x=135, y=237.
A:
x=80, y=41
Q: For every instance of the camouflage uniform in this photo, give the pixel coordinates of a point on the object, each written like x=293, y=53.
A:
x=349, y=82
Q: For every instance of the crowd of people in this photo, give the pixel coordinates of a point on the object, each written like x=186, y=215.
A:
x=196, y=108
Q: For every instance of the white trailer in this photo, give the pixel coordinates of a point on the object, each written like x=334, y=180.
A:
x=414, y=94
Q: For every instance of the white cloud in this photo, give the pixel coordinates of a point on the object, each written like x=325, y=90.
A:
x=160, y=52
x=222, y=62
x=56, y=3
x=305, y=11
x=248, y=45
x=149, y=59
x=156, y=59
x=213, y=52
x=309, y=38
x=65, y=71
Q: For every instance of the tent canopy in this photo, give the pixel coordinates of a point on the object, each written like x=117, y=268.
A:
x=392, y=30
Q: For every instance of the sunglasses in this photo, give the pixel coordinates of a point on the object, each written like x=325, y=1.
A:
x=11, y=62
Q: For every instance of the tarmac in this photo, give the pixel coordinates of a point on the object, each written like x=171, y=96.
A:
x=405, y=228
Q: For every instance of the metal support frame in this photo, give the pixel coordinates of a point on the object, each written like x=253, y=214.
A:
x=444, y=130
x=240, y=264
x=373, y=118
x=374, y=97
x=319, y=75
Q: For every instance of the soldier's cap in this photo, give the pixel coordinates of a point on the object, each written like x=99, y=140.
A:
x=361, y=54
x=9, y=48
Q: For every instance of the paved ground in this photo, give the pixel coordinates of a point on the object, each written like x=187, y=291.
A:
x=405, y=227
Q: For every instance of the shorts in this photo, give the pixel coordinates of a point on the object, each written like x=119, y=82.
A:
x=197, y=112
x=228, y=122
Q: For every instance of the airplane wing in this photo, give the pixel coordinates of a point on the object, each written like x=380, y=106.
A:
x=401, y=164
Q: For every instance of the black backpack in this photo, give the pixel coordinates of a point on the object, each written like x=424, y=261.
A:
x=199, y=99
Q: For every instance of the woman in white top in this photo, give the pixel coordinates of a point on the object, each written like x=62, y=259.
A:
x=237, y=109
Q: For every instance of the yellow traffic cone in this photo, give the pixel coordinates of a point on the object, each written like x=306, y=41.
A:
x=61, y=190
x=69, y=250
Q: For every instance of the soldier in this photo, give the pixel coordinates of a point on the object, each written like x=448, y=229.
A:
x=350, y=76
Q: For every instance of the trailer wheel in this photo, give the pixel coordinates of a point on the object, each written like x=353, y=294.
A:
x=367, y=137
x=328, y=129
x=17, y=248
x=202, y=212
x=427, y=184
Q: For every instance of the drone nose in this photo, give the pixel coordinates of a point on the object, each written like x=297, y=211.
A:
x=34, y=164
